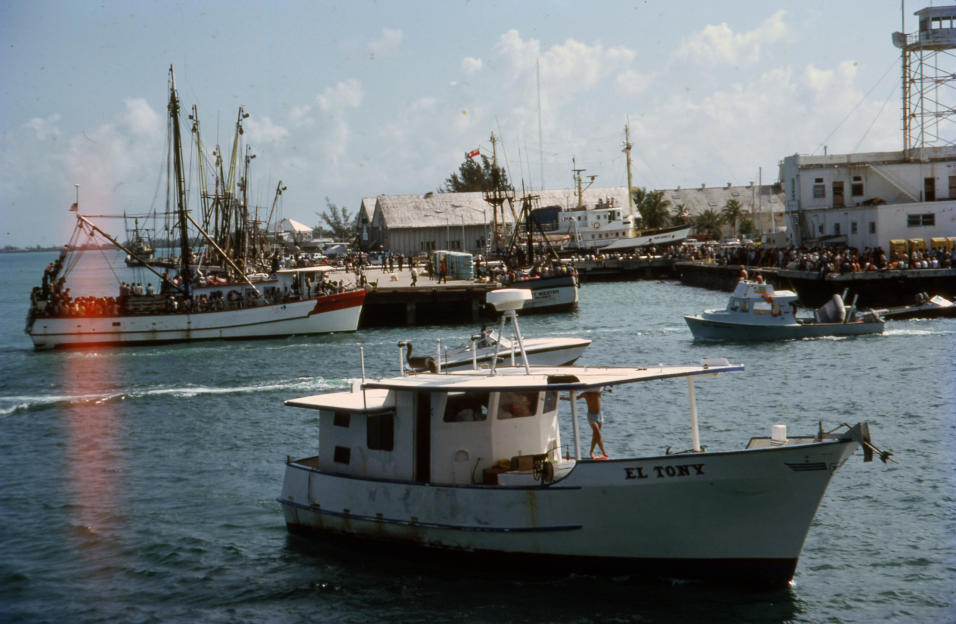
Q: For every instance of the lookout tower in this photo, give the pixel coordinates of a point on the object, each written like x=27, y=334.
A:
x=929, y=80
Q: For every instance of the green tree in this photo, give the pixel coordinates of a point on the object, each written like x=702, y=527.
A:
x=477, y=176
x=652, y=206
x=731, y=212
x=680, y=215
x=338, y=222
x=747, y=227
x=708, y=222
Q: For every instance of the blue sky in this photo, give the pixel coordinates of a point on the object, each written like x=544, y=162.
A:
x=359, y=98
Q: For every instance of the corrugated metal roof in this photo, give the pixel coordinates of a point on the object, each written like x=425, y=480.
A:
x=441, y=209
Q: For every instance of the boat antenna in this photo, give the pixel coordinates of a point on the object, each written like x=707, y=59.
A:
x=630, y=195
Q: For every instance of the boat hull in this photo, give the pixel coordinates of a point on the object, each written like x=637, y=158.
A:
x=330, y=313
x=540, y=352
x=737, y=517
x=549, y=294
x=713, y=330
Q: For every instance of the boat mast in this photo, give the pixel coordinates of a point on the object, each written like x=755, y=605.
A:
x=630, y=196
x=185, y=252
x=203, y=191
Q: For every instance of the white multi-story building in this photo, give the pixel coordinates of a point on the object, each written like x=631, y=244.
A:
x=865, y=200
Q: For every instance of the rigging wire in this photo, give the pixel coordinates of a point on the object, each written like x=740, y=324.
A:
x=855, y=107
x=880, y=112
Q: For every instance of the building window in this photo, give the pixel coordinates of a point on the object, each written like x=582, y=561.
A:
x=380, y=431
x=929, y=189
x=917, y=220
x=341, y=419
x=856, y=189
x=872, y=227
x=793, y=189
x=836, y=228
x=853, y=227
x=819, y=188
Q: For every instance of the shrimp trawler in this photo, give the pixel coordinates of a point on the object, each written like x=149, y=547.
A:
x=221, y=292
x=468, y=464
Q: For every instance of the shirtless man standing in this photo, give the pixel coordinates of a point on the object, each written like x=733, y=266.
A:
x=595, y=419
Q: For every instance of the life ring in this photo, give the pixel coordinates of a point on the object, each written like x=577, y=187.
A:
x=233, y=295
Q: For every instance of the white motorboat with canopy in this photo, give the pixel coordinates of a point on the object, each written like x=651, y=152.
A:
x=496, y=346
x=469, y=464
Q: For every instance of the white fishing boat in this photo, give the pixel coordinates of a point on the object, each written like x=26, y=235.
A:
x=495, y=346
x=469, y=464
x=239, y=303
x=607, y=227
x=755, y=311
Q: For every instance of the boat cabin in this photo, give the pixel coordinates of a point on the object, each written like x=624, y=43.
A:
x=455, y=436
x=758, y=298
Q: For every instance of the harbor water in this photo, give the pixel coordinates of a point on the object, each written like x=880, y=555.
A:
x=139, y=484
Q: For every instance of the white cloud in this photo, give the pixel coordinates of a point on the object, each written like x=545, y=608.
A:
x=470, y=65
x=631, y=83
x=719, y=44
x=390, y=40
x=140, y=119
x=45, y=127
x=345, y=94
x=264, y=130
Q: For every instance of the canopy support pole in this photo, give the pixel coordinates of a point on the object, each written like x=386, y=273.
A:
x=693, y=415
x=574, y=424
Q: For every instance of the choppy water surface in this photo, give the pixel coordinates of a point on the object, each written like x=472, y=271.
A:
x=139, y=484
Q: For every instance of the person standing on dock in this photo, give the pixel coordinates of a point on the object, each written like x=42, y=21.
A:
x=443, y=272
x=414, y=275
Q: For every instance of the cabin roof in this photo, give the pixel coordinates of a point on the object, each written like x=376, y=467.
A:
x=544, y=377
x=372, y=401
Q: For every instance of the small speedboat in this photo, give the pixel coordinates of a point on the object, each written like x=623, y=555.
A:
x=756, y=311
x=925, y=307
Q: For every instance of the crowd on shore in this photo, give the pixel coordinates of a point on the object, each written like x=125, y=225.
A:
x=815, y=259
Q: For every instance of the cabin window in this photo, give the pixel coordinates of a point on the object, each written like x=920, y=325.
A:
x=380, y=431
x=734, y=305
x=744, y=305
x=341, y=419
x=342, y=454
x=517, y=404
x=550, y=401
x=466, y=407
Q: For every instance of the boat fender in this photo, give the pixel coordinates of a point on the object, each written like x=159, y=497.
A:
x=547, y=472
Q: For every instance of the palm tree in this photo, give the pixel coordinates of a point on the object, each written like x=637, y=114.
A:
x=652, y=206
x=731, y=212
x=680, y=215
x=708, y=222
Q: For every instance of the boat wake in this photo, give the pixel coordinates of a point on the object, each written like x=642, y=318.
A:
x=13, y=404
